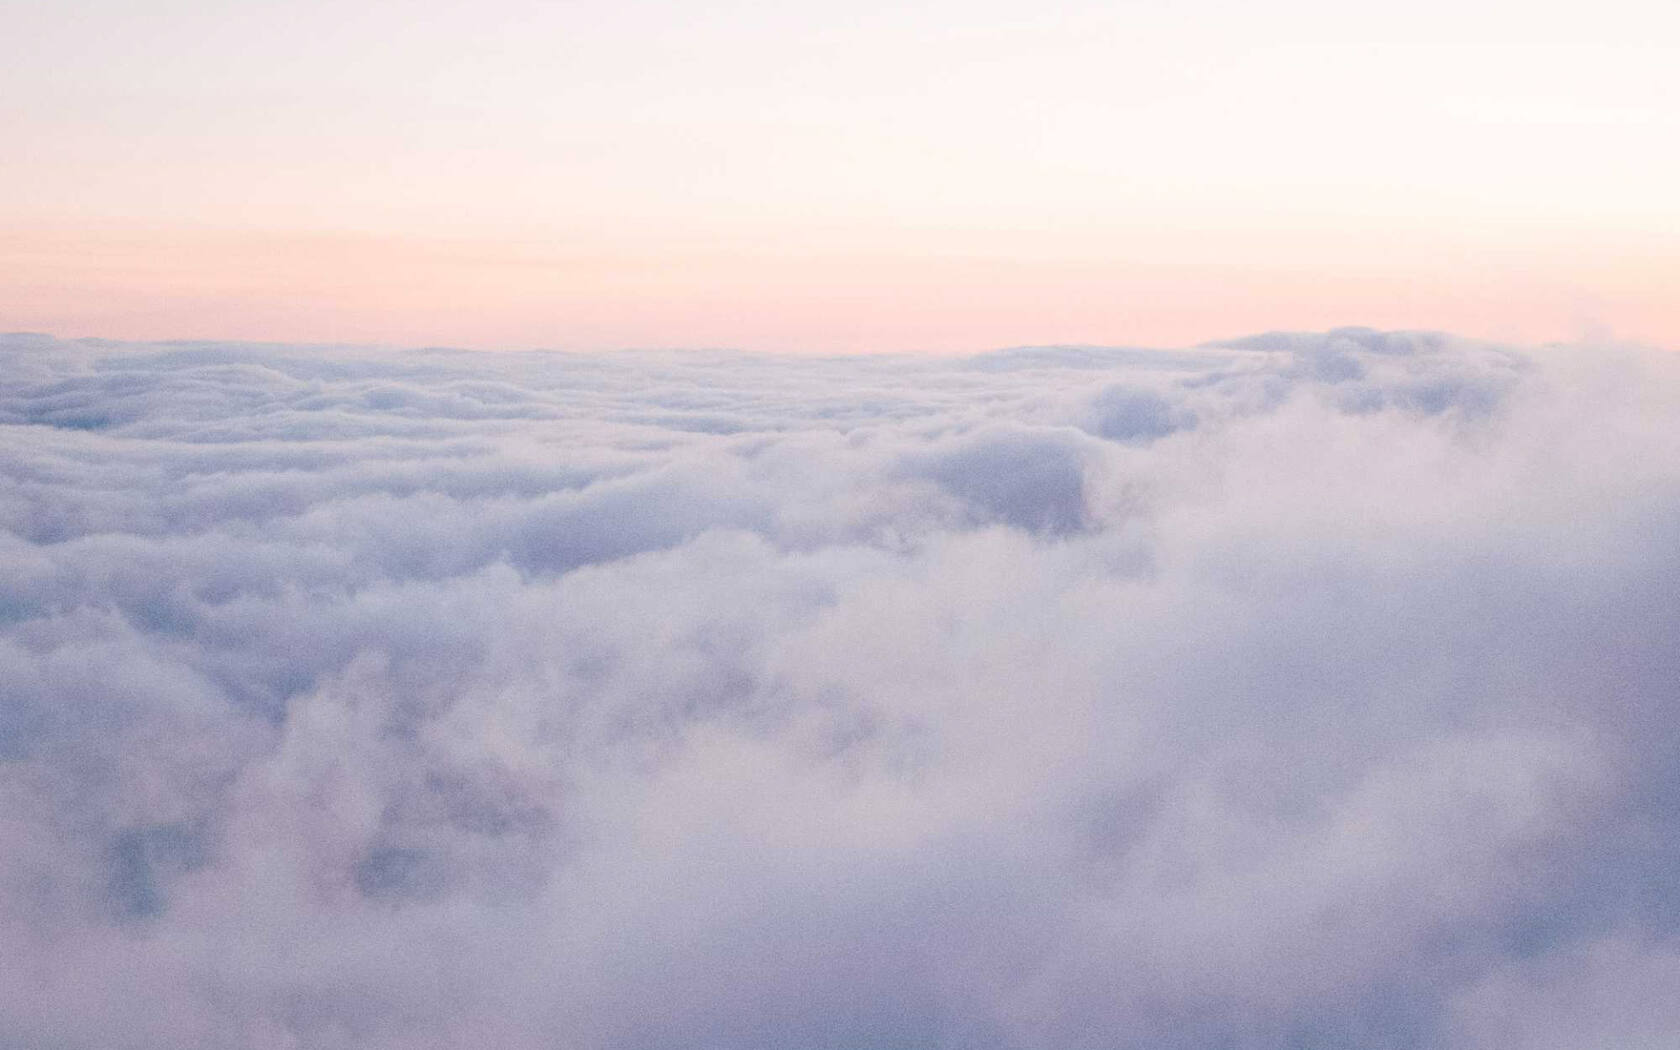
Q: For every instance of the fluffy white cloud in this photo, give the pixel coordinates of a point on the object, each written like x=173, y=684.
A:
x=1310, y=691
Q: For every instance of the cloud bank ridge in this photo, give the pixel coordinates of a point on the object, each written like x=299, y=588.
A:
x=1310, y=690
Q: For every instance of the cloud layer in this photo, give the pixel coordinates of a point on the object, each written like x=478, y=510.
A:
x=1308, y=691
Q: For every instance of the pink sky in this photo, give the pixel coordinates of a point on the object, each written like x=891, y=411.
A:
x=886, y=296
x=935, y=176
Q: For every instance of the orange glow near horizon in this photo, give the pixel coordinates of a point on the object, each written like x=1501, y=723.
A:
x=939, y=175
x=946, y=297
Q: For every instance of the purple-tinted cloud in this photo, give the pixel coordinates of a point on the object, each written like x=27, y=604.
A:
x=1310, y=691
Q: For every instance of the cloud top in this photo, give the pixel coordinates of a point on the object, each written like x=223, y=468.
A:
x=1311, y=690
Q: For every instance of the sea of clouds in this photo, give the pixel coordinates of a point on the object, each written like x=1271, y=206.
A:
x=1308, y=691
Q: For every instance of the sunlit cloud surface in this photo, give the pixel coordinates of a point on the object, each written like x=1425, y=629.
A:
x=1306, y=691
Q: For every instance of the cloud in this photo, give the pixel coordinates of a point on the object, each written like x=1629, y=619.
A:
x=1309, y=690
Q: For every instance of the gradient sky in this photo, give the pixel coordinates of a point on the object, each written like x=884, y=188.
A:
x=935, y=176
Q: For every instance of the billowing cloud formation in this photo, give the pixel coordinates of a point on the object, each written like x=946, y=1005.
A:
x=1310, y=691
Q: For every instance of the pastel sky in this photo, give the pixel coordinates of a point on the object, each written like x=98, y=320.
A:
x=867, y=176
